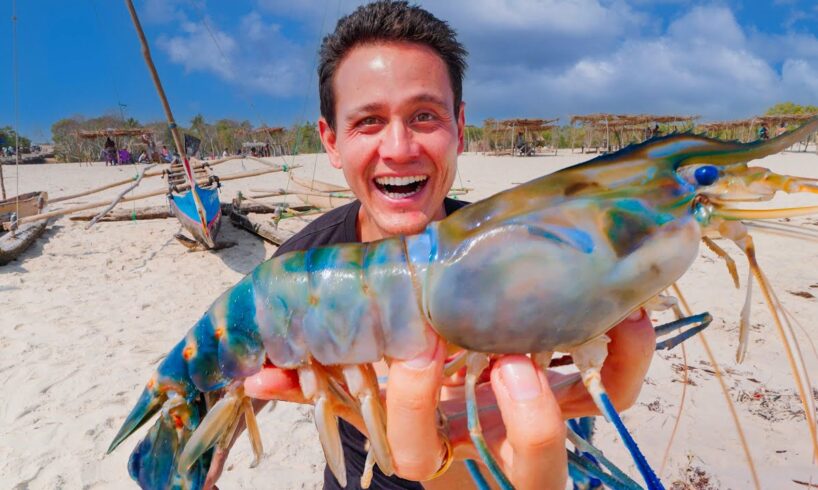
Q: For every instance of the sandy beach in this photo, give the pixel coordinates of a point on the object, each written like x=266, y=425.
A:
x=87, y=314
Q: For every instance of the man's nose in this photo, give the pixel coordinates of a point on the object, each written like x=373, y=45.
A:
x=398, y=144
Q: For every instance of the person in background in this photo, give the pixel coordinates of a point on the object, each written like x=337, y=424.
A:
x=110, y=152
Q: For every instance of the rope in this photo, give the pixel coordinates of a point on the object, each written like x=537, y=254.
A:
x=16, y=106
x=304, y=104
x=112, y=77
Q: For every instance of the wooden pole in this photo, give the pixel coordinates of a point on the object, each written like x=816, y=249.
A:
x=118, y=198
x=62, y=212
x=154, y=173
x=2, y=182
x=180, y=147
x=136, y=197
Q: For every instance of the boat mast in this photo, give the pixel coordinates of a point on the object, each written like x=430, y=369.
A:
x=180, y=147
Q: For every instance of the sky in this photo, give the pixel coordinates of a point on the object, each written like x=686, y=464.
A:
x=255, y=59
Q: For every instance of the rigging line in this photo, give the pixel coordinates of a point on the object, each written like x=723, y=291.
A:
x=112, y=77
x=315, y=160
x=225, y=60
x=245, y=97
x=306, y=96
x=16, y=107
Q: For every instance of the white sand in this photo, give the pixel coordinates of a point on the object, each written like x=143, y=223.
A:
x=86, y=315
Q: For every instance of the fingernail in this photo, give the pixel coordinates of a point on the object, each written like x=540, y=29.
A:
x=637, y=315
x=424, y=359
x=520, y=379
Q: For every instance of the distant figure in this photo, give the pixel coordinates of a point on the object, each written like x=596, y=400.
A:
x=143, y=157
x=225, y=153
x=110, y=152
x=125, y=157
x=782, y=128
x=166, y=154
x=655, y=131
x=762, y=132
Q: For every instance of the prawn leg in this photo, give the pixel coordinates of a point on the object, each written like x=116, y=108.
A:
x=702, y=320
x=316, y=388
x=363, y=384
x=475, y=364
x=589, y=358
x=217, y=427
x=592, y=457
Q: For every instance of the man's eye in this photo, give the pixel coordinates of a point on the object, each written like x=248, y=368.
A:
x=368, y=121
x=425, y=117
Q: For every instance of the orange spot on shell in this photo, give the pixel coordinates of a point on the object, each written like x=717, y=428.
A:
x=188, y=353
x=219, y=332
x=178, y=422
x=151, y=382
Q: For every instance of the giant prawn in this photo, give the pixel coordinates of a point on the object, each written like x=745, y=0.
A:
x=550, y=265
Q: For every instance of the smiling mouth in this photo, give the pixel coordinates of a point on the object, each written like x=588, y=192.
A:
x=401, y=187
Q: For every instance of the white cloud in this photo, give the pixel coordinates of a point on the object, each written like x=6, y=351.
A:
x=161, y=11
x=702, y=64
x=257, y=57
x=536, y=57
x=800, y=80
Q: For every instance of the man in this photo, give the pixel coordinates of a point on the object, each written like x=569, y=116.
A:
x=392, y=119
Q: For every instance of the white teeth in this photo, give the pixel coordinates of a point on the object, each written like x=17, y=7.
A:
x=401, y=180
x=399, y=195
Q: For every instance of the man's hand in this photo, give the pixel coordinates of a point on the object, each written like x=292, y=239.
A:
x=522, y=418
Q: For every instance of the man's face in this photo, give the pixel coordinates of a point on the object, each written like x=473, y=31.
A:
x=397, y=135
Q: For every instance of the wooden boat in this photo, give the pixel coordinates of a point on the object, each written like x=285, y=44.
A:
x=194, y=204
x=198, y=210
x=27, y=204
x=15, y=242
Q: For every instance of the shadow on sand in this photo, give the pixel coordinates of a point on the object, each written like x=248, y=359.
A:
x=248, y=251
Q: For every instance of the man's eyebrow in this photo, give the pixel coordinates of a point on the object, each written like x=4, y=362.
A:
x=372, y=107
x=376, y=106
x=429, y=98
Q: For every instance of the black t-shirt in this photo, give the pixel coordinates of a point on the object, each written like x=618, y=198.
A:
x=339, y=226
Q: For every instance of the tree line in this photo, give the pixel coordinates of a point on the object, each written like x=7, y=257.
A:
x=216, y=137
x=230, y=134
x=8, y=137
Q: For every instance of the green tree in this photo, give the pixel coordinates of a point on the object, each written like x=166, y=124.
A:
x=68, y=147
x=783, y=108
x=8, y=137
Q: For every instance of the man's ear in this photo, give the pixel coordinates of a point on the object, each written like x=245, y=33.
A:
x=461, y=128
x=329, y=141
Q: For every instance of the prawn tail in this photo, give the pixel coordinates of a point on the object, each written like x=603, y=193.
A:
x=148, y=404
x=154, y=461
x=170, y=393
x=167, y=389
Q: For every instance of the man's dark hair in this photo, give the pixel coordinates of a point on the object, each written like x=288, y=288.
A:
x=389, y=21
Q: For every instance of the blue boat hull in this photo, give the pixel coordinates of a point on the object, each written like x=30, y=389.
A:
x=184, y=208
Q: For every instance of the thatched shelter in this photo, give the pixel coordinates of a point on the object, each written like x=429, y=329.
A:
x=521, y=136
x=135, y=140
x=113, y=133
x=264, y=141
x=609, y=132
x=747, y=130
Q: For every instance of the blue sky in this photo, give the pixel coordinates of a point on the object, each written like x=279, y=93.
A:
x=254, y=59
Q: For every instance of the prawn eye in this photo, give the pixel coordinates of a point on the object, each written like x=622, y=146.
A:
x=706, y=175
